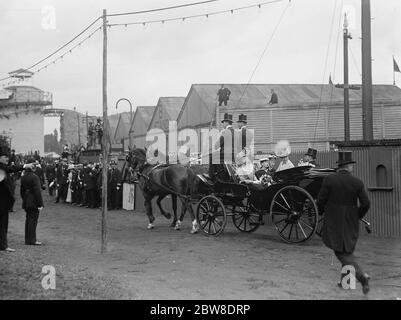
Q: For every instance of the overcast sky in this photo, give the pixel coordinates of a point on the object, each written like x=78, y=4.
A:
x=165, y=59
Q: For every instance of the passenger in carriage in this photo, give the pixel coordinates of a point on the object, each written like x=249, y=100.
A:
x=267, y=168
x=309, y=158
x=283, y=150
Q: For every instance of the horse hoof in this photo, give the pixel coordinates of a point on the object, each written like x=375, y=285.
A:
x=178, y=228
x=150, y=226
x=172, y=225
x=194, y=231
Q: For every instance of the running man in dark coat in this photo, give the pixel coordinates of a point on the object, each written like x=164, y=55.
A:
x=6, y=195
x=338, y=199
x=32, y=202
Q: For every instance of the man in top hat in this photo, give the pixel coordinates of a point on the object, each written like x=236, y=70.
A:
x=226, y=147
x=245, y=139
x=338, y=199
x=32, y=202
x=309, y=158
x=6, y=195
x=223, y=95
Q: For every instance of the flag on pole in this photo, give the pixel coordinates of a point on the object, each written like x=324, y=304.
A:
x=396, y=67
x=330, y=81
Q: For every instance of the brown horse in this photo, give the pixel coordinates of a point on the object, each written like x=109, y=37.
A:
x=163, y=180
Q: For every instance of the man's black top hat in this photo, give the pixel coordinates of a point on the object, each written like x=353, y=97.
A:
x=311, y=152
x=4, y=150
x=242, y=118
x=228, y=117
x=344, y=157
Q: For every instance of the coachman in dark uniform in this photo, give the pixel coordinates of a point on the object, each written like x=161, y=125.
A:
x=6, y=195
x=32, y=202
x=226, y=152
x=338, y=199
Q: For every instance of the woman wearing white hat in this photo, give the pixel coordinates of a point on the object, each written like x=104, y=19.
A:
x=283, y=150
x=69, y=192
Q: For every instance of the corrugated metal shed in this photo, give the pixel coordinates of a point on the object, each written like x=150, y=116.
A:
x=167, y=109
x=307, y=114
x=140, y=124
x=123, y=126
x=385, y=211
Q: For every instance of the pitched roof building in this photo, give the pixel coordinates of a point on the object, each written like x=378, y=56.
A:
x=306, y=114
x=139, y=126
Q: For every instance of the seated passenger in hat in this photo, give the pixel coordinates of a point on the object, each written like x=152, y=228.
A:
x=267, y=168
x=282, y=151
x=309, y=158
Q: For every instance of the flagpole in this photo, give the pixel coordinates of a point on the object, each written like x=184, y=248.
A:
x=393, y=73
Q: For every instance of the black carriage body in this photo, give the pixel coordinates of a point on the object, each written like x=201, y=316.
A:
x=290, y=201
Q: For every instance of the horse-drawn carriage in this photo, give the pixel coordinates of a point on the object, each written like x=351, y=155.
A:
x=290, y=202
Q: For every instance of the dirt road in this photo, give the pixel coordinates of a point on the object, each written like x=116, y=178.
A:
x=168, y=264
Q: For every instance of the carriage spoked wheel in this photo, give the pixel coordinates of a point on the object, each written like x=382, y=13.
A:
x=245, y=219
x=211, y=216
x=294, y=214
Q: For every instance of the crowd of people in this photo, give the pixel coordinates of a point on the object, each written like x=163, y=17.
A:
x=72, y=183
x=81, y=184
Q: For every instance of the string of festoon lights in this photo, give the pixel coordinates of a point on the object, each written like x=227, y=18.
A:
x=189, y=17
x=55, y=60
x=61, y=56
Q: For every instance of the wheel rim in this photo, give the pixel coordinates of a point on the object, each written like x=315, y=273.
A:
x=211, y=216
x=294, y=214
x=245, y=220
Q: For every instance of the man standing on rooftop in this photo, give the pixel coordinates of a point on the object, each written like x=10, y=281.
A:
x=223, y=95
x=273, y=98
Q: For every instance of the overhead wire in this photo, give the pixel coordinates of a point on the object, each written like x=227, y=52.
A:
x=183, y=18
x=161, y=9
x=57, y=50
x=264, y=51
x=325, y=69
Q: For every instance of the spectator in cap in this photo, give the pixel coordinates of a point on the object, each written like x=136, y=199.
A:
x=32, y=202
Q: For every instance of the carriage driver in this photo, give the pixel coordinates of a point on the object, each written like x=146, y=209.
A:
x=225, y=151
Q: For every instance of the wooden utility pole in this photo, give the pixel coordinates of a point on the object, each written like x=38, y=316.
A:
x=346, y=82
x=104, y=138
x=79, y=131
x=367, y=112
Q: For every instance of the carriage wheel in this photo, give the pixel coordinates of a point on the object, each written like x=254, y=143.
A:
x=294, y=214
x=211, y=216
x=246, y=220
x=320, y=226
